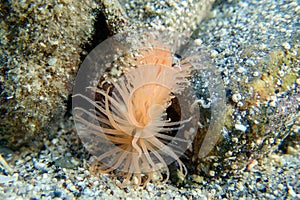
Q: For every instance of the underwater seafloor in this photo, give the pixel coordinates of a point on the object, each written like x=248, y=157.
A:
x=60, y=169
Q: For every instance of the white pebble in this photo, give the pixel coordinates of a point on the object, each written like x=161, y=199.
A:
x=286, y=45
x=240, y=127
x=212, y=173
x=81, y=184
x=198, y=42
x=39, y=166
x=240, y=104
x=52, y=61
x=262, y=47
x=150, y=187
x=235, y=140
x=236, y=97
x=280, y=186
x=291, y=192
x=72, y=188
x=213, y=53
x=54, y=141
x=255, y=74
x=241, y=70
x=281, y=73
x=273, y=103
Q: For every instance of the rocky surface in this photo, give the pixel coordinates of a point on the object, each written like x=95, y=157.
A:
x=40, y=47
x=255, y=45
x=169, y=15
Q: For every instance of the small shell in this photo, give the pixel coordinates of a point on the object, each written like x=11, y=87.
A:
x=136, y=99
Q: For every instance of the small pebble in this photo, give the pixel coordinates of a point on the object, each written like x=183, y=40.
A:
x=39, y=166
x=236, y=97
x=255, y=74
x=291, y=191
x=150, y=187
x=240, y=127
x=52, y=61
x=212, y=173
x=213, y=53
x=198, y=42
x=286, y=45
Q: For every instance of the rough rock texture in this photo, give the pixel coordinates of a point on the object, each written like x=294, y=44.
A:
x=258, y=56
x=169, y=15
x=40, y=47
